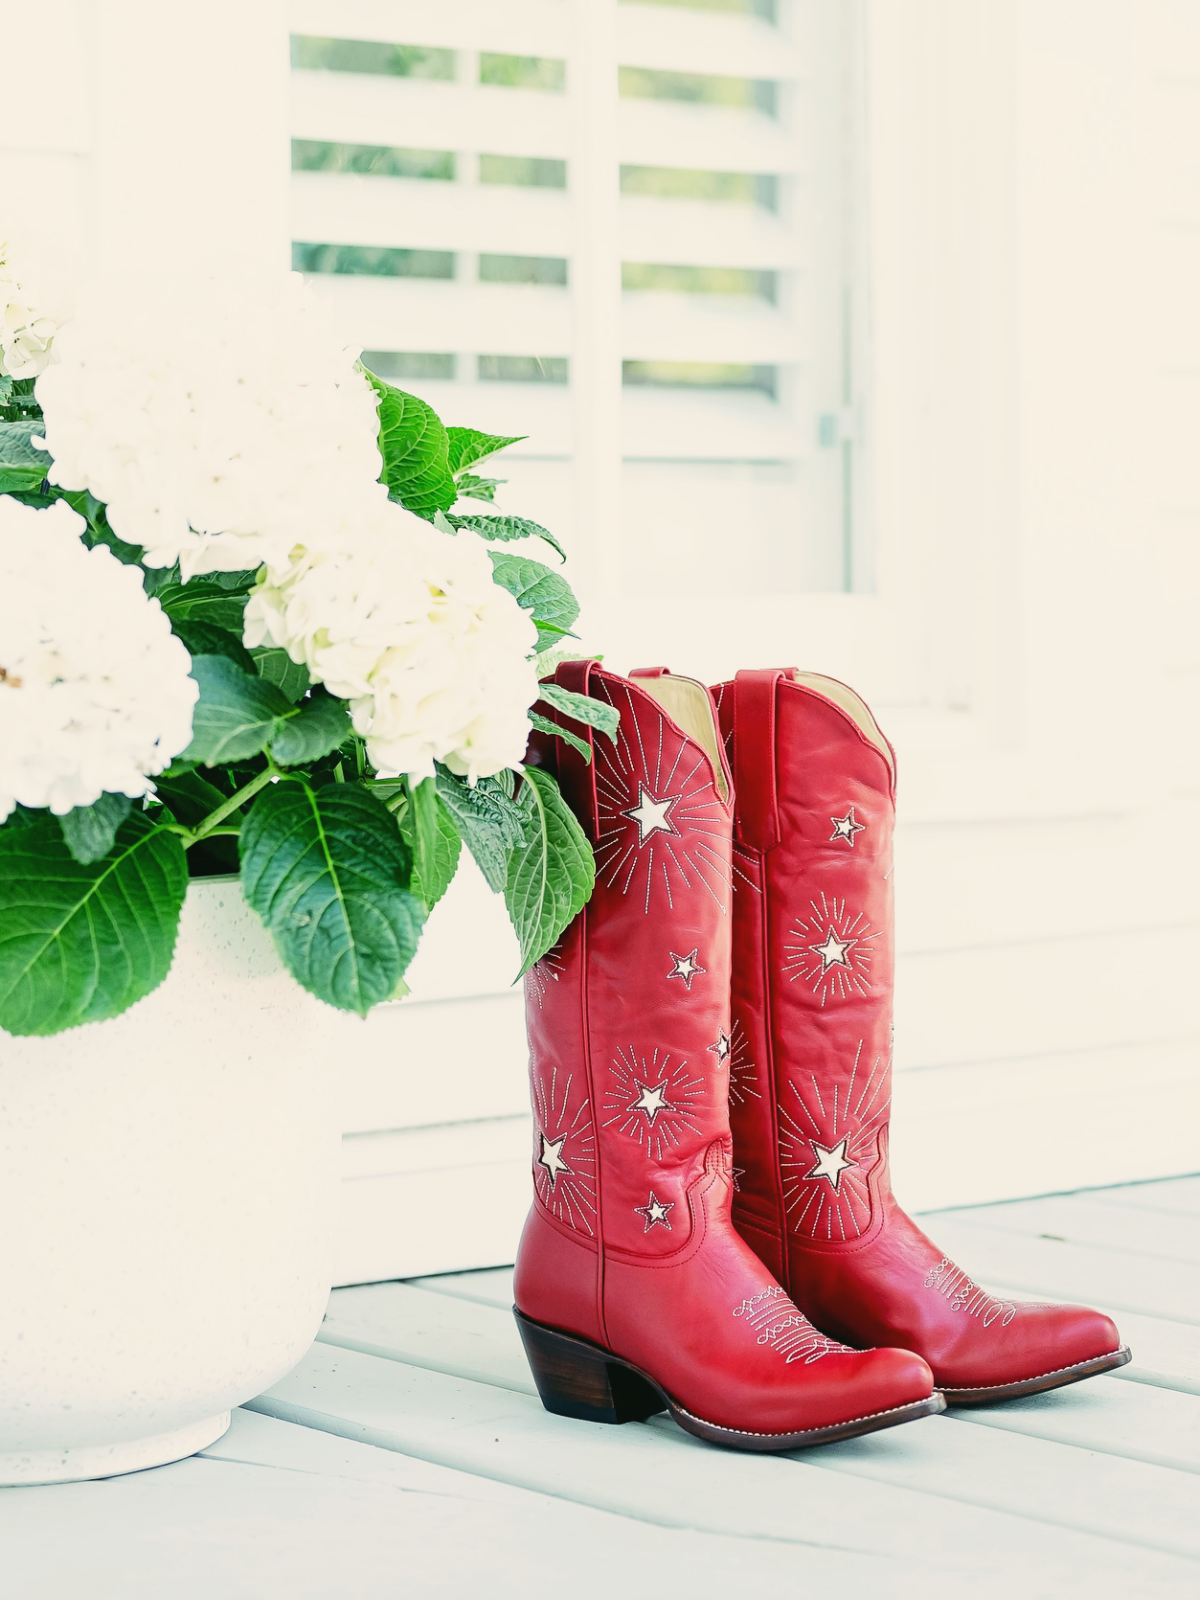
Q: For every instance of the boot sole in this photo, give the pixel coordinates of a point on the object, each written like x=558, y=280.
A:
x=576, y=1378
x=1046, y=1380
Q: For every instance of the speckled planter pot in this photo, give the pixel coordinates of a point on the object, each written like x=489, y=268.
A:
x=169, y=1191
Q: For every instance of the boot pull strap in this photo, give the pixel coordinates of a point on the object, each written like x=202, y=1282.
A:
x=577, y=777
x=754, y=756
x=650, y=672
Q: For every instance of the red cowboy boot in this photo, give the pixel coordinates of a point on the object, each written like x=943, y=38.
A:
x=810, y=1056
x=633, y=1291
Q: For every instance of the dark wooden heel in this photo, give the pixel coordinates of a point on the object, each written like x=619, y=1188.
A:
x=577, y=1379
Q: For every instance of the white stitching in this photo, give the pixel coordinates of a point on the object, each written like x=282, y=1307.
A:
x=975, y=1388
x=790, y=1433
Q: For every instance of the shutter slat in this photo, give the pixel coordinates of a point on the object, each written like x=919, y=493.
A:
x=668, y=134
x=408, y=213
x=707, y=42
x=708, y=234
x=355, y=108
x=495, y=318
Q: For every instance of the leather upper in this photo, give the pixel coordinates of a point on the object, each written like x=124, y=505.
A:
x=812, y=1023
x=630, y=1241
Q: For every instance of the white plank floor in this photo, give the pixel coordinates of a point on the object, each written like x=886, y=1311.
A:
x=407, y=1454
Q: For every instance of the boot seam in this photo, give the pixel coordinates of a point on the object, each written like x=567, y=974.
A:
x=698, y=1216
x=972, y=1388
x=787, y=1433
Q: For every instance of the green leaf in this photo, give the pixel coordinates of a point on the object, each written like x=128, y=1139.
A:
x=551, y=876
x=328, y=873
x=277, y=667
x=82, y=942
x=90, y=830
x=189, y=797
x=319, y=725
x=472, y=488
x=23, y=817
x=21, y=465
x=488, y=821
x=203, y=600
x=502, y=529
x=539, y=590
x=434, y=841
x=549, y=661
x=415, y=450
x=236, y=715
x=206, y=639
x=544, y=725
x=595, y=713
x=468, y=445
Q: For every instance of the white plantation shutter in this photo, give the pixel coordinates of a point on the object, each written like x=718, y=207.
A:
x=701, y=155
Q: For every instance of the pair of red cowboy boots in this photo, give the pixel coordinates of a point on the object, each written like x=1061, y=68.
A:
x=734, y=964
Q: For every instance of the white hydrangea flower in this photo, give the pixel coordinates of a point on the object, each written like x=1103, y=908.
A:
x=95, y=695
x=407, y=624
x=218, y=430
x=27, y=330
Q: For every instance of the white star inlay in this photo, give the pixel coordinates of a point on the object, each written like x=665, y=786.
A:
x=551, y=1157
x=651, y=1101
x=655, y=1210
x=722, y=1047
x=846, y=827
x=651, y=815
x=833, y=951
x=686, y=967
x=830, y=1161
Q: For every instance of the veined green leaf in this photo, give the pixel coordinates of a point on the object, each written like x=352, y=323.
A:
x=472, y=488
x=189, y=797
x=538, y=590
x=503, y=529
x=487, y=820
x=544, y=725
x=328, y=873
x=551, y=875
x=90, y=830
x=415, y=450
x=314, y=728
x=468, y=445
x=203, y=600
x=236, y=716
x=595, y=713
x=277, y=667
x=549, y=660
x=430, y=834
x=206, y=639
x=22, y=465
x=80, y=942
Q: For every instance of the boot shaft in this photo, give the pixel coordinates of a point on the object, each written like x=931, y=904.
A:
x=628, y=1016
x=813, y=962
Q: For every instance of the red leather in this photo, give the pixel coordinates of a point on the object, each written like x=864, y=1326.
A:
x=811, y=1061
x=630, y=1242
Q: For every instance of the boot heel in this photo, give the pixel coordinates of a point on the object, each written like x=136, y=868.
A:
x=576, y=1379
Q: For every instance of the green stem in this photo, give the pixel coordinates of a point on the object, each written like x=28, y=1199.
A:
x=235, y=800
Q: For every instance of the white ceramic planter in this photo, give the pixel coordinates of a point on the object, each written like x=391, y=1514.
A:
x=168, y=1207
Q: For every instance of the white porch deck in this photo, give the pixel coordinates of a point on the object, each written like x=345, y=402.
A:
x=407, y=1455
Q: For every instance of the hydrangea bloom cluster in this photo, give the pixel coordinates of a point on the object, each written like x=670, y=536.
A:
x=95, y=695
x=26, y=330
x=219, y=433
x=406, y=623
